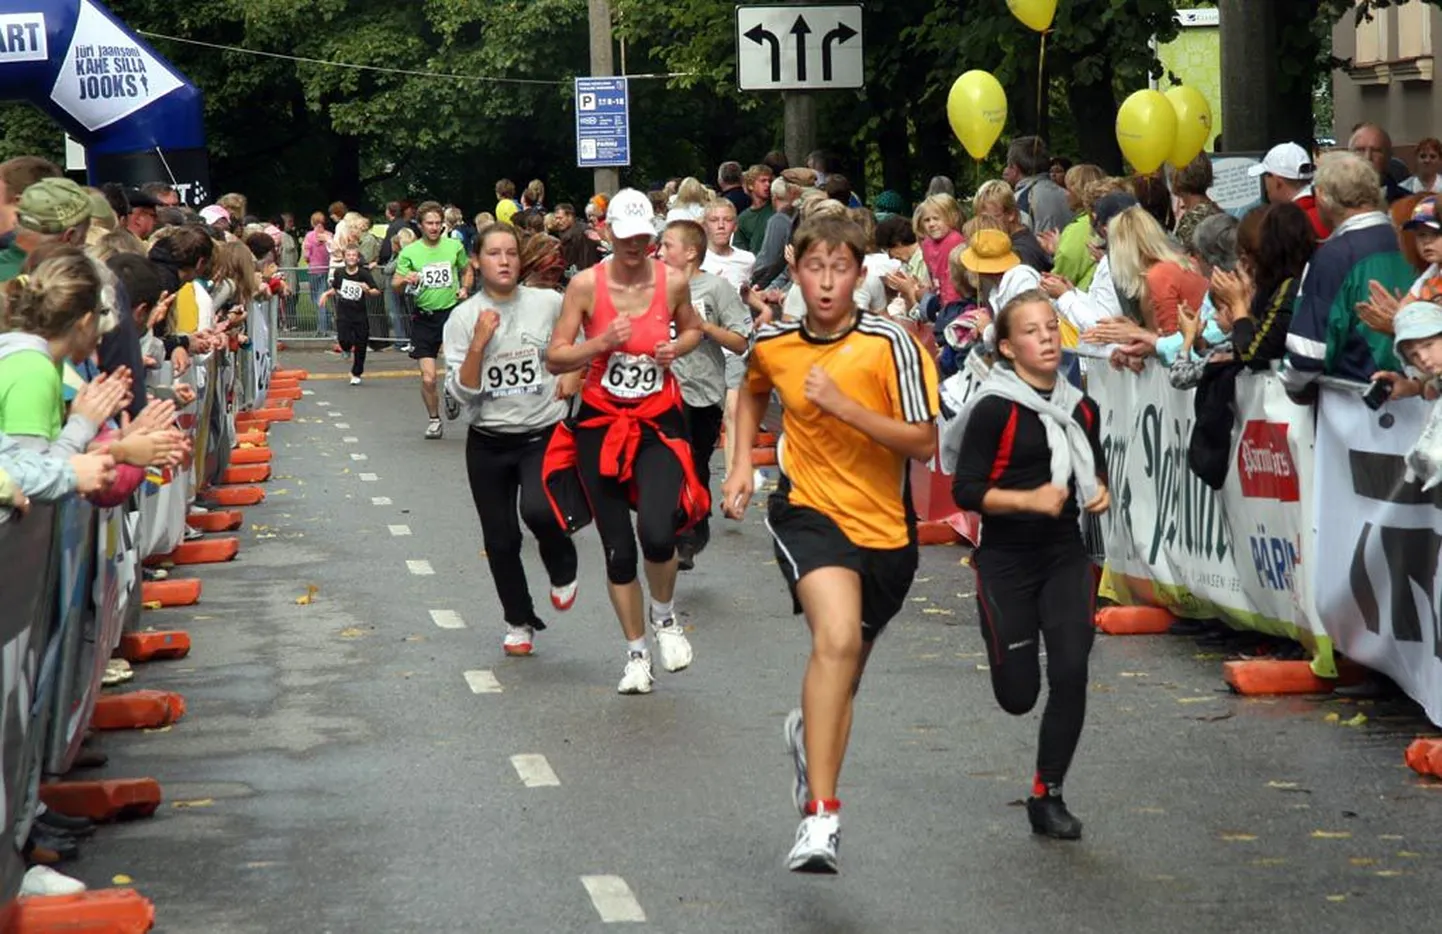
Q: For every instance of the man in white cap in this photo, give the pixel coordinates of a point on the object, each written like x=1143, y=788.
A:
x=1286, y=173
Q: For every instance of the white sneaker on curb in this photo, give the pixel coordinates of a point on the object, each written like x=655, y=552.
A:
x=671, y=642
x=817, y=840
x=637, y=678
x=796, y=745
x=355, y=380
x=434, y=431
x=519, y=640
x=42, y=880
x=564, y=597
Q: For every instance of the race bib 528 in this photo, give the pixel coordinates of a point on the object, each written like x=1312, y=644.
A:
x=437, y=276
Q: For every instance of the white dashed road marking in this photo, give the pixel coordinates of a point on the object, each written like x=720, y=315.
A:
x=320, y=403
x=535, y=771
x=381, y=501
x=447, y=619
x=350, y=439
x=359, y=457
x=399, y=530
x=420, y=567
x=340, y=425
x=483, y=682
x=368, y=477
x=613, y=899
x=336, y=414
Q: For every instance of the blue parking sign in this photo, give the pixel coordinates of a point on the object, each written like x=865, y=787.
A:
x=603, y=123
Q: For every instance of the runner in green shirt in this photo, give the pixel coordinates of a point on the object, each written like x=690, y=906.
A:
x=431, y=268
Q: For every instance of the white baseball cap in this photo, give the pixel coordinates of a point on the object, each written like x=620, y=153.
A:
x=629, y=215
x=1287, y=160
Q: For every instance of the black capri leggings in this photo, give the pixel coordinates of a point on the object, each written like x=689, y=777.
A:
x=505, y=473
x=657, y=476
x=1043, y=593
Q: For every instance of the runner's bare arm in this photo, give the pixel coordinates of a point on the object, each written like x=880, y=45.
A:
x=740, y=485
x=565, y=353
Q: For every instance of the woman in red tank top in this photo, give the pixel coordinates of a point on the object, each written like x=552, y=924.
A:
x=628, y=441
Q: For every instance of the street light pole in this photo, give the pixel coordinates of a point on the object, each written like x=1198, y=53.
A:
x=607, y=181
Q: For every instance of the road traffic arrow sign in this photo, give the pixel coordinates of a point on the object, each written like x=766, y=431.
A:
x=828, y=36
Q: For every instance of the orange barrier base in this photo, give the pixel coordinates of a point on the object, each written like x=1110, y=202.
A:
x=274, y=394
x=108, y=911
x=765, y=439
x=201, y=551
x=1261, y=677
x=255, y=435
x=161, y=645
x=253, y=473
x=253, y=426
x=301, y=375
x=104, y=801
x=1133, y=620
x=235, y=495
x=1424, y=756
x=763, y=457
x=936, y=533
x=218, y=521
x=283, y=383
x=244, y=457
x=274, y=414
x=137, y=710
x=170, y=592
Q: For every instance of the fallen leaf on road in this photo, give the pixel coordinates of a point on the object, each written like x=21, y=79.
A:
x=352, y=632
x=1331, y=835
x=1194, y=700
x=921, y=580
x=1134, y=674
x=919, y=600
x=1389, y=873
x=157, y=729
x=1269, y=861
x=965, y=562
x=197, y=803
x=1358, y=720
x=1408, y=854
x=1332, y=718
x=151, y=605
x=1239, y=837
x=1391, y=836
x=1208, y=656
x=120, y=878
x=308, y=597
x=1289, y=786
x=1336, y=898
x=983, y=668
x=936, y=611
x=1362, y=861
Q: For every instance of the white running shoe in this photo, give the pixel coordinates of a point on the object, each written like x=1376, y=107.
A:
x=817, y=840
x=796, y=745
x=42, y=880
x=355, y=380
x=671, y=642
x=564, y=597
x=453, y=405
x=519, y=640
x=637, y=679
x=434, y=431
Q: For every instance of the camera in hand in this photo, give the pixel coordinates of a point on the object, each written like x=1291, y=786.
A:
x=1377, y=393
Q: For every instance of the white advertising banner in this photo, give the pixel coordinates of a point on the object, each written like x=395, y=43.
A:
x=1376, y=580
x=1172, y=541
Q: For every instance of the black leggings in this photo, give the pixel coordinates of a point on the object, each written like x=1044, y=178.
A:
x=505, y=472
x=657, y=477
x=1046, y=592
x=703, y=423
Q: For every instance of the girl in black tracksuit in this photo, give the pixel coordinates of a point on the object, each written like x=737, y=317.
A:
x=1034, y=578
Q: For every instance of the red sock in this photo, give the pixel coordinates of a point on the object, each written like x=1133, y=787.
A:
x=828, y=805
x=1038, y=787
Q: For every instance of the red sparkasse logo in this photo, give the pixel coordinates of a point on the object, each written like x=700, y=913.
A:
x=1264, y=463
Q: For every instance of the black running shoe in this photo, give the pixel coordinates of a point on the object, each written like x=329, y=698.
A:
x=1050, y=818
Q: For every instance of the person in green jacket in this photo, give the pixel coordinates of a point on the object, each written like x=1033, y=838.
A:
x=431, y=268
x=751, y=225
x=1073, y=259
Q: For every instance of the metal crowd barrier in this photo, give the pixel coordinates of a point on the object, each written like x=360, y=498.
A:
x=71, y=586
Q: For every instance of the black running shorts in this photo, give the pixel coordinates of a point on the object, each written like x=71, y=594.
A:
x=807, y=540
x=427, y=333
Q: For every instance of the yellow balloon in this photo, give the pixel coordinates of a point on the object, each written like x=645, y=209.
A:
x=1194, y=124
x=1036, y=14
x=976, y=108
x=1147, y=130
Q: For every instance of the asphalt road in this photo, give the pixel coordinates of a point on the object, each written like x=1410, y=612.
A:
x=338, y=770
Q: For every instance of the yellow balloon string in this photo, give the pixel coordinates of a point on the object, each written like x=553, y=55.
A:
x=1041, y=82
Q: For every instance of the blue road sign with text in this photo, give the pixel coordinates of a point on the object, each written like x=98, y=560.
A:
x=603, y=123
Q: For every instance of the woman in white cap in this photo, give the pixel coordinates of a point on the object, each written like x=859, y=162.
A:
x=628, y=440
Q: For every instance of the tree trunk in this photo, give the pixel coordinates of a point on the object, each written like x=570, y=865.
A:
x=1094, y=117
x=895, y=148
x=346, y=170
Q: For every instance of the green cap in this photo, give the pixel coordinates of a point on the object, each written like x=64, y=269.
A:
x=100, y=209
x=53, y=206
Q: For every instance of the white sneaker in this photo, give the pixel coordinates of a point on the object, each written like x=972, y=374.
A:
x=198, y=510
x=191, y=534
x=42, y=880
x=519, y=640
x=796, y=745
x=817, y=840
x=671, y=642
x=355, y=381
x=637, y=678
x=434, y=431
x=117, y=671
x=564, y=597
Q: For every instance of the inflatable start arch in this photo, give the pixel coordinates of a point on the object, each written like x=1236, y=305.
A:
x=137, y=117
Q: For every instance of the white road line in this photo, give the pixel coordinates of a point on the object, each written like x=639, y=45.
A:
x=368, y=477
x=420, y=567
x=535, y=771
x=359, y=457
x=483, y=682
x=336, y=414
x=350, y=439
x=307, y=392
x=381, y=501
x=447, y=619
x=320, y=403
x=613, y=899
x=341, y=425
x=398, y=530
